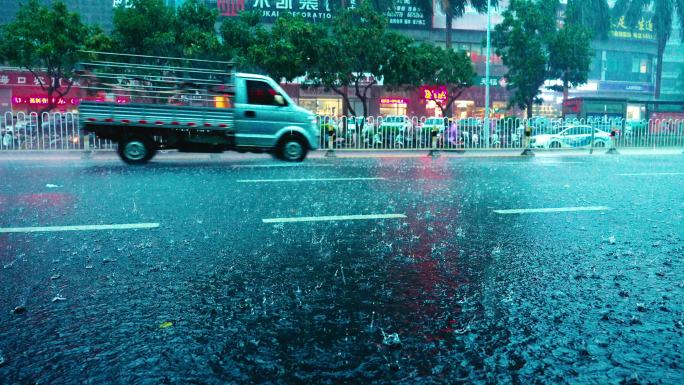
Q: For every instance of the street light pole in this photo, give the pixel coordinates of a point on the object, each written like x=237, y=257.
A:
x=486, y=118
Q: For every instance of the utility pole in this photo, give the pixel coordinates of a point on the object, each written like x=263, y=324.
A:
x=486, y=117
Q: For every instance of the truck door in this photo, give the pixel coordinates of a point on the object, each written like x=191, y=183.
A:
x=260, y=113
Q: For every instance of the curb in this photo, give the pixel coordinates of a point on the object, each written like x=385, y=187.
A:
x=324, y=154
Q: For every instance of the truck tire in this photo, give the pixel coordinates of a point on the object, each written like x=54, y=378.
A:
x=292, y=148
x=136, y=149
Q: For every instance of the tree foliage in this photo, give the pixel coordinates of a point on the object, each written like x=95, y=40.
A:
x=520, y=40
x=45, y=41
x=452, y=69
x=535, y=49
x=145, y=27
x=195, y=30
x=570, y=56
x=289, y=50
x=239, y=34
x=591, y=14
x=352, y=53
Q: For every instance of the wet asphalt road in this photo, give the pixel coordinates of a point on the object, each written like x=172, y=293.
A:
x=452, y=293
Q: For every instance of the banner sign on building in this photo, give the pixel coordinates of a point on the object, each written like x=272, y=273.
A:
x=625, y=87
x=310, y=10
x=405, y=14
x=643, y=30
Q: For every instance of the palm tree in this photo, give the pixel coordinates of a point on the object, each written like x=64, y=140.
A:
x=454, y=9
x=663, y=11
x=592, y=14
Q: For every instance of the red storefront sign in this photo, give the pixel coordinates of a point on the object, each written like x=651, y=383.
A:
x=230, y=7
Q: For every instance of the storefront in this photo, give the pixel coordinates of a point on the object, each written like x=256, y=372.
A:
x=322, y=105
x=393, y=106
x=20, y=91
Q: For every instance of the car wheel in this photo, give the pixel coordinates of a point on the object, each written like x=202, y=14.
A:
x=555, y=145
x=292, y=149
x=599, y=144
x=136, y=149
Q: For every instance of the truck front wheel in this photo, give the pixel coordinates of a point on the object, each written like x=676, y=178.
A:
x=136, y=149
x=292, y=149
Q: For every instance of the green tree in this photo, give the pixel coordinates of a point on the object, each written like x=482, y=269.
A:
x=195, y=30
x=569, y=57
x=521, y=41
x=241, y=34
x=45, y=41
x=662, y=18
x=145, y=27
x=452, y=69
x=289, y=50
x=592, y=14
x=352, y=54
x=99, y=40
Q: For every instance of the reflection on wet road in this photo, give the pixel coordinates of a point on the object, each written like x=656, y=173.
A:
x=343, y=271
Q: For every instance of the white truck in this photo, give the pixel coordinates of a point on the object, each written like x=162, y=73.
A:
x=148, y=103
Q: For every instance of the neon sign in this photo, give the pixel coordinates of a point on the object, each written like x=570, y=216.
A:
x=43, y=100
x=437, y=94
x=393, y=101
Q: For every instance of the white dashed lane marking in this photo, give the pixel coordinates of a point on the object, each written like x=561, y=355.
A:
x=303, y=180
x=334, y=218
x=552, y=210
x=124, y=226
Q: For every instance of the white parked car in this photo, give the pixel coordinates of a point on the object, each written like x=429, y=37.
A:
x=575, y=136
x=396, y=123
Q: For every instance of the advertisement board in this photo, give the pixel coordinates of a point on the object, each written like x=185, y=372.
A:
x=404, y=13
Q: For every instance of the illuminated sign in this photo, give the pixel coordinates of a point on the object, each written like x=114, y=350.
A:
x=393, y=101
x=43, y=100
x=643, y=30
x=438, y=94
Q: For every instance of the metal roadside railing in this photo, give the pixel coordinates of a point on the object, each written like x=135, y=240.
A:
x=46, y=131
x=61, y=131
x=427, y=133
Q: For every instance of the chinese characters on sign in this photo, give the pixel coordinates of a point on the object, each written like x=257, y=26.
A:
x=406, y=14
x=12, y=78
x=43, y=101
x=403, y=14
x=230, y=7
x=438, y=94
x=310, y=10
x=643, y=30
x=393, y=101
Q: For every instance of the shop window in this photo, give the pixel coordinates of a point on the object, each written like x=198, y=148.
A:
x=640, y=65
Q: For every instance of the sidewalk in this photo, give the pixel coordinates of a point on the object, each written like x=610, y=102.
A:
x=74, y=155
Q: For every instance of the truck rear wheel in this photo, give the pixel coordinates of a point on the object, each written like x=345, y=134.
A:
x=136, y=149
x=292, y=149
